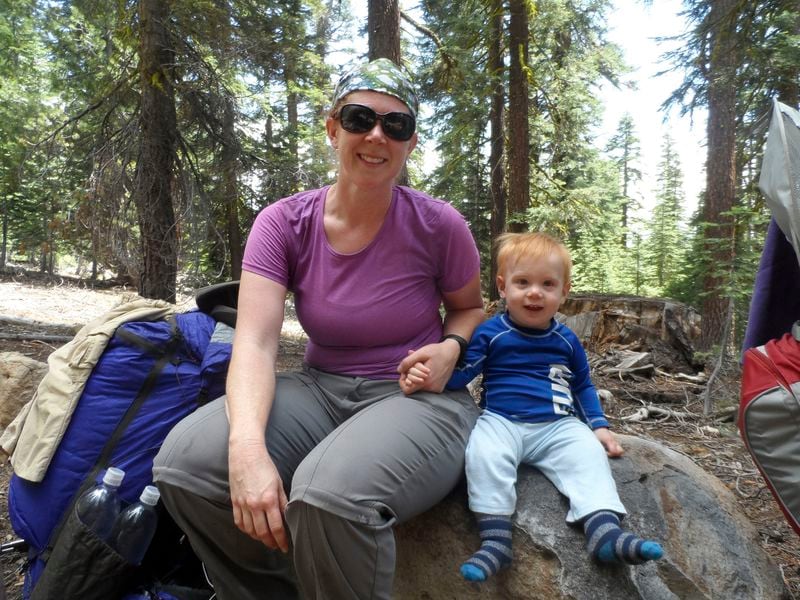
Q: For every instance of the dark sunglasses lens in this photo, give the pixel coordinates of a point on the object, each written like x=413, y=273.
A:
x=399, y=126
x=360, y=119
x=357, y=119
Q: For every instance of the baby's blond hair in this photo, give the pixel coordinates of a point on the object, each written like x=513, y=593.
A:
x=509, y=247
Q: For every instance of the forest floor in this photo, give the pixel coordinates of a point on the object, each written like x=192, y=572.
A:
x=60, y=305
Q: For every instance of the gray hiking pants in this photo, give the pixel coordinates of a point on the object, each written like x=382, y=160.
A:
x=356, y=456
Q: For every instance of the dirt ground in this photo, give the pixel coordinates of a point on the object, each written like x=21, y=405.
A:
x=61, y=305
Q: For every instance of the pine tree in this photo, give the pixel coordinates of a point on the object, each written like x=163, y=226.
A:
x=625, y=150
x=666, y=243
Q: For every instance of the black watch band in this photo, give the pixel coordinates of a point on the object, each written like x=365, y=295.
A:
x=462, y=344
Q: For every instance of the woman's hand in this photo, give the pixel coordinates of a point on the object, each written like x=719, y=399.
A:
x=463, y=312
x=438, y=359
x=257, y=494
x=609, y=441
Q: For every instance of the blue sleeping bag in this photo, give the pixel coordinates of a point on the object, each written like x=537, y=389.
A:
x=150, y=376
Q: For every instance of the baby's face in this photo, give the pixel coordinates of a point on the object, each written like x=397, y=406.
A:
x=534, y=289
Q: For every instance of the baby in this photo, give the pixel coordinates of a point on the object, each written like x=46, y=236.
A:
x=539, y=408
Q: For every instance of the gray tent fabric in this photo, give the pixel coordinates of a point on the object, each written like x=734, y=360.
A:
x=775, y=305
x=780, y=171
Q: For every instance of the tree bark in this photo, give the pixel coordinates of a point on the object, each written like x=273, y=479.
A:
x=626, y=158
x=518, y=129
x=292, y=99
x=383, y=25
x=720, y=168
x=154, y=168
x=230, y=189
x=496, y=118
x=4, y=242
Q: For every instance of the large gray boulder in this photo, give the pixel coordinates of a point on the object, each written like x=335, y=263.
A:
x=711, y=548
x=19, y=377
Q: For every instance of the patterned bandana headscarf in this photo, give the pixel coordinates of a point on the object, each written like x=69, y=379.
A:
x=380, y=75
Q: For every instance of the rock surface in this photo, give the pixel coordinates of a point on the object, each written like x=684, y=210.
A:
x=711, y=549
x=19, y=378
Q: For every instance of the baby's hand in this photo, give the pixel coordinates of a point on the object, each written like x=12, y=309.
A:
x=609, y=441
x=413, y=380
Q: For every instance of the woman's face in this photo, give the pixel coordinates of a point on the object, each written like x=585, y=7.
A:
x=371, y=158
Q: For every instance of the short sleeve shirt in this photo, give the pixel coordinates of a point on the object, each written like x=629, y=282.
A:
x=364, y=311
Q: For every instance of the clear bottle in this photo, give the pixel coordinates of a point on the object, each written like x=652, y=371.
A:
x=136, y=526
x=98, y=508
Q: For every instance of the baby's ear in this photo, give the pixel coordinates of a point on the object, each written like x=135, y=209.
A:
x=501, y=286
x=565, y=291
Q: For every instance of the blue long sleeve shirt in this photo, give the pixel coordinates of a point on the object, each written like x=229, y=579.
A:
x=530, y=375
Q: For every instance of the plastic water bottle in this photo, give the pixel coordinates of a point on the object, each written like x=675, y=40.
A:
x=136, y=526
x=99, y=507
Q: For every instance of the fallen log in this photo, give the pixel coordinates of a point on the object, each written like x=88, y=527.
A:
x=30, y=323
x=40, y=337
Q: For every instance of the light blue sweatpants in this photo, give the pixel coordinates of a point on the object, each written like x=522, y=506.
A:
x=566, y=451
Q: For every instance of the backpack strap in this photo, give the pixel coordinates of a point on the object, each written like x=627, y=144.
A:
x=164, y=354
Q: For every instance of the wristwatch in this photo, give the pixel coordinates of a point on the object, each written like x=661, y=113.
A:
x=462, y=344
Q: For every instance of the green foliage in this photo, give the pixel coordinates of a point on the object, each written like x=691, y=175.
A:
x=70, y=122
x=665, y=247
x=764, y=36
x=600, y=262
x=252, y=82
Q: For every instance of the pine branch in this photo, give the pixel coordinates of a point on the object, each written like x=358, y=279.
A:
x=426, y=31
x=91, y=108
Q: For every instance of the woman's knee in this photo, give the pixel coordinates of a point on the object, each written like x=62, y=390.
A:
x=194, y=455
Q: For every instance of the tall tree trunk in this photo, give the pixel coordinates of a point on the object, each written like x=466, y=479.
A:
x=625, y=183
x=496, y=116
x=290, y=68
x=720, y=168
x=383, y=26
x=4, y=245
x=154, y=168
x=230, y=188
x=320, y=150
x=292, y=121
x=43, y=244
x=518, y=129
x=95, y=241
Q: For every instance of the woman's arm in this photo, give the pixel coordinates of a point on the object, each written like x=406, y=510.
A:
x=257, y=491
x=463, y=313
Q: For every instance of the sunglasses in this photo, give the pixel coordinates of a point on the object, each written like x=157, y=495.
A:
x=357, y=118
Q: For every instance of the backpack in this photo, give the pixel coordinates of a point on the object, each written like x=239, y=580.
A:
x=148, y=376
x=769, y=417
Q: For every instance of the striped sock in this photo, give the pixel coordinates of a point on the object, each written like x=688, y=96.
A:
x=495, y=551
x=608, y=542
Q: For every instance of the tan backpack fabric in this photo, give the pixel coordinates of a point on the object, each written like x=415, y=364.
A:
x=32, y=438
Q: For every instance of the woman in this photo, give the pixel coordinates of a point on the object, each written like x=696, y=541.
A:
x=336, y=454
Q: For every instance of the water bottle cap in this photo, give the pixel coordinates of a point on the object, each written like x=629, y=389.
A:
x=113, y=476
x=150, y=495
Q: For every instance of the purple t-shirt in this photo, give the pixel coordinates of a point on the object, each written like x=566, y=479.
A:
x=364, y=311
